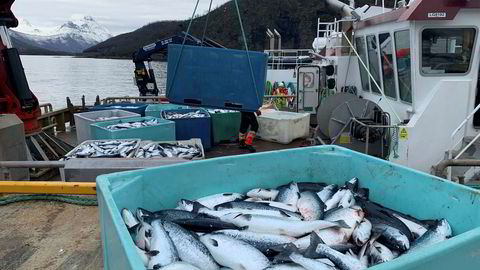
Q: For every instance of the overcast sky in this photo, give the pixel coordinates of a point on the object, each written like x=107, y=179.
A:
x=119, y=16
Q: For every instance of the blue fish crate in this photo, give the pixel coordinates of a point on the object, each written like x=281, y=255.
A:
x=155, y=110
x=216, y=78
x=403, y=189
x=165, y=131
x=190, y=128
x=130, y=107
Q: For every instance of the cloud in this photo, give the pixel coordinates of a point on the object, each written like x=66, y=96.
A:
x=118, y=15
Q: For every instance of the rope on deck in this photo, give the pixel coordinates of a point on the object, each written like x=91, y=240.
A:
x=77, y=200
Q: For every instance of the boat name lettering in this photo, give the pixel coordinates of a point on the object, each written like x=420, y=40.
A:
x=437, y=15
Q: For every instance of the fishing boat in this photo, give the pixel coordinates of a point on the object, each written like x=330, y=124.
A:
x=408, y=75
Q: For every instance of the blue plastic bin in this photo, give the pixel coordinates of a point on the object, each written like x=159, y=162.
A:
x=130, y=107
x=155, y=110
x=217, y=78
x=163, y=132
x=403, y=189
x=189, y=128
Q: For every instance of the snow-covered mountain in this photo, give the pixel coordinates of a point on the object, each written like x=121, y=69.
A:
x=73, y=36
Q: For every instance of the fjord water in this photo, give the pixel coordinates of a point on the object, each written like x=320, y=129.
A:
x=53, y=78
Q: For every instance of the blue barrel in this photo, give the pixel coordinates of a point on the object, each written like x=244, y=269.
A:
x=216, y=78
x=189, y=128
x=130, y=107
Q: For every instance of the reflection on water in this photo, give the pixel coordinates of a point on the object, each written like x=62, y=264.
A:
x=53, y=78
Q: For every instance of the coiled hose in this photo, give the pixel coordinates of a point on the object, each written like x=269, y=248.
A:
x=77, y=200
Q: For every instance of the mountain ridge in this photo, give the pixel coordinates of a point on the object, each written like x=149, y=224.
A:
x=295, y=20
x=71, y=37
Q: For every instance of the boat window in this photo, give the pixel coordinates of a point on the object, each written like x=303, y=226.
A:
x=373, y=65
x=360, y=43
x=447, y=50
x=404, y=65
x=386, y=57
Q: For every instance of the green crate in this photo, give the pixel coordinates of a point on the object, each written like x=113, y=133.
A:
x=163, y=132
x=403, y=189
x=155, y=110
x=225, y=126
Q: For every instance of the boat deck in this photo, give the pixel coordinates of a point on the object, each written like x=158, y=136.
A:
x=50, y=235
x=56, y=236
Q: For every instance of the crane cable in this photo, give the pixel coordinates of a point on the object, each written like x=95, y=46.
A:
x=206, y=21
x=244, y=41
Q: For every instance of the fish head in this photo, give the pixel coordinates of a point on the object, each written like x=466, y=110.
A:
x=209, y=241
x=444, y=228
x=186, y=205
x=233, y=216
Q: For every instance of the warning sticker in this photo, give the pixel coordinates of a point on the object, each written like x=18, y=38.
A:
x=345, y=138
x=403, y=134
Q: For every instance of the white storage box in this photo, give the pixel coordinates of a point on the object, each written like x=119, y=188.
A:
x=283, y=127
x=83, y=121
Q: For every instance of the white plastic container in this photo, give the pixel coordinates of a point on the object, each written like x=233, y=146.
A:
x=283, y=127
x=83, y=121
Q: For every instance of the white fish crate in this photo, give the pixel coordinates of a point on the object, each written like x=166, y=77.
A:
x=283, y=127
x=190, y=142
x=75, y=150
x=84, y=120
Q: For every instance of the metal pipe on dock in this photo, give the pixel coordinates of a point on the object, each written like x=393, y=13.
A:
x=28, y=187
x=455, y=163
x=32, y=164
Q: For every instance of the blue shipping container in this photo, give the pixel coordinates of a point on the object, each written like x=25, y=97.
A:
x=165, y=131
x=217, y=78
x=415, y=193
x=130, y=107
x=190, y=128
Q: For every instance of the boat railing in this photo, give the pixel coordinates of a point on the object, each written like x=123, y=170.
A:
x=463, y=125
x=333, y=30
x=144, y=99
x=456, y=143
x=46, y=107
x=277, y=57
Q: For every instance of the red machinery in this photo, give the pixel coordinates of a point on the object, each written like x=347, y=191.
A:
x=15, y=95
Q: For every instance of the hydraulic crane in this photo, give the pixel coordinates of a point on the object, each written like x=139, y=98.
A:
x=145, y=78
x=15, y=95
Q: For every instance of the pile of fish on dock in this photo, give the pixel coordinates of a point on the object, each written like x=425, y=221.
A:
x=104, y=149
x=131, y=125
x=177, y=115
x=168, y=150
x=302, y=225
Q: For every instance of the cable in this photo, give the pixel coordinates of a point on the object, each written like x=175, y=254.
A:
x=49, y=197
x=206, y=22
x=246, y=49
x=183, y=45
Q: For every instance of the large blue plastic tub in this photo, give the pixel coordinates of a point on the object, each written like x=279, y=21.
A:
x=218, y=78
x=409, y=191
x=130, y=107
x=155, y=110
x=163, y=132
x=189, y=128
